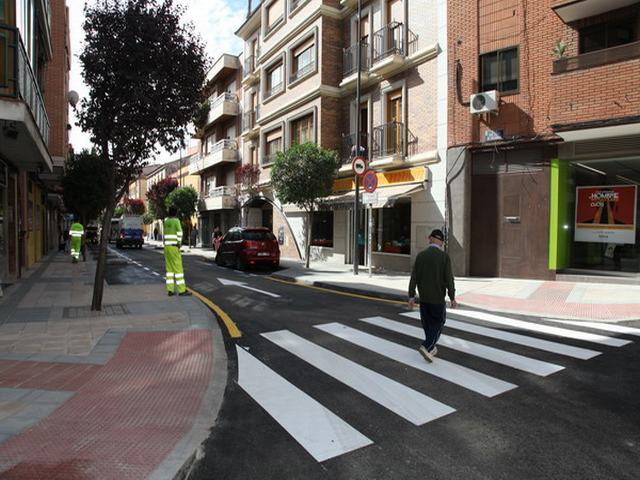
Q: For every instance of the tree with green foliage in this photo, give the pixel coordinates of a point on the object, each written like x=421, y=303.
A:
x=303, y=176
x=157, y=196
x=145, y=69
x=185, y=201
x=85, y=189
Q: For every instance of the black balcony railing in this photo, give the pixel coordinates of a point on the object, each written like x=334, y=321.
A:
x=394, y=39
x=17, y=79
x=349, y=146
x=250, y=119
x=350, y=59
x=392, y=138
x=620, y=53
x=301, y=72
x=249, y=65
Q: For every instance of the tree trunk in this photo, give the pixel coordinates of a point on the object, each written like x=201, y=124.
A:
x=307, y=246
x=98, y=283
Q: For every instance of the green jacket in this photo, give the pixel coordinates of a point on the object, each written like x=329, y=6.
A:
x=172, y=232
x=432, y=274
x=76, y=230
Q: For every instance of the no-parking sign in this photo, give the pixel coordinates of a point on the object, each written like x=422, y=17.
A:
x=370, y=181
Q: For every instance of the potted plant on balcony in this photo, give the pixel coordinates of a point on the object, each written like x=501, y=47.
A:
x=559, y=49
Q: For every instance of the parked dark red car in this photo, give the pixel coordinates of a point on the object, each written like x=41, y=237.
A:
x=248, y=247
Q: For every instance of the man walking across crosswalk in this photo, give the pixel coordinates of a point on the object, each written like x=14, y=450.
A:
x=433, y=276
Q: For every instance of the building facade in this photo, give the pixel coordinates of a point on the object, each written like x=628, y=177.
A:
x=558, y=110
x=299, y=86
x=219, y=154
x=34, y=58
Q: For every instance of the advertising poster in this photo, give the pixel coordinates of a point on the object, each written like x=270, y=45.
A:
x=606, y=214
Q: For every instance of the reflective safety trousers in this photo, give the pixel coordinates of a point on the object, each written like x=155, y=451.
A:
x=175, y=273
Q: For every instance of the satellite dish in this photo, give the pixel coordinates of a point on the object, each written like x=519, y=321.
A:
x=73, y=98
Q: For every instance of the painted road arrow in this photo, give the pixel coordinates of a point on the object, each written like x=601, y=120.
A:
x=224, y=281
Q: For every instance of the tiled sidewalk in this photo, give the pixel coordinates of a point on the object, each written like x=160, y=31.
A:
x=129, y=393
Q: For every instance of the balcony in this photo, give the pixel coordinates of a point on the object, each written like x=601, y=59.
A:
x=573, y=10
x=25, y=131
x=597, y=58
x=219, y=198
x=350, y=64
x=251, y=71
x=391, y=142
x=224, y=66
x=349, y=147
x=392, y=44
x=250, y=128
x=225, y=151
x=223, y=107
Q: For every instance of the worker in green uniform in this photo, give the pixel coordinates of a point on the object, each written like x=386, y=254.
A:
x=172, y=258
x=76, y=232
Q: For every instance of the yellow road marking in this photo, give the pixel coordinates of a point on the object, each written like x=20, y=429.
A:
x=232, y=328
x=337, y=292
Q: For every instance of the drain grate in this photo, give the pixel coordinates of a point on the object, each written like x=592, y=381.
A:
x=107, y=311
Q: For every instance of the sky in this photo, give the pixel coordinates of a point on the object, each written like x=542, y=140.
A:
x=214, y=20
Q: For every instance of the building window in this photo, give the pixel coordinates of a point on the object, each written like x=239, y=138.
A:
x=275, y=81
x=322, y=229
x=302, y=130
x=272, y=145
x=392, y=228
x=303, y=59
x=500, y=70
x=607, y=35
x=275, y=15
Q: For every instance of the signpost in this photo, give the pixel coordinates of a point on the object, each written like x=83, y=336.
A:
x=359, y=166
x=370, y=181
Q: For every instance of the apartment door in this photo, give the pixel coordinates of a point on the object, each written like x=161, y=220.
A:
x=394, y=123
x=395, y=19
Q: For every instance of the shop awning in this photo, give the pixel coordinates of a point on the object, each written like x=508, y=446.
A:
x=387, y=196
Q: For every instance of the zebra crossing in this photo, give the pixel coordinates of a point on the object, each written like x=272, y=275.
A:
x=324, y=435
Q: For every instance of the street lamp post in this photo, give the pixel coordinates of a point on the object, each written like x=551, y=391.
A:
x=356, y=202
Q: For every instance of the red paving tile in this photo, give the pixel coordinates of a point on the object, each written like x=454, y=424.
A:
x=45, y=375
x=123, y=422
x=552, y=307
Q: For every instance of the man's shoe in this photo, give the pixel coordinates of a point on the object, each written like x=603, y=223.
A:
x=427, y=356
x=434, y=351
x=185, y=294
x=171, y=294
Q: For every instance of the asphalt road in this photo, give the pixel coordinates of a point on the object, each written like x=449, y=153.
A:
x=351, y=409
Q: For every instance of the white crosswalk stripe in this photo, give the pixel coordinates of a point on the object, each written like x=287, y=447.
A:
x=451, y=372
x=520, y=362
x=547, y=329
x=320, y=432
x=400, y=399
x=605, y=327
x=537, y=343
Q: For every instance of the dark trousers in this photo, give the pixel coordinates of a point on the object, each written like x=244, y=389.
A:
x=433, y=316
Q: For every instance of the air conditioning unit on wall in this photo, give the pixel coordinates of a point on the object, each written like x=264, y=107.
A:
x=485, y=102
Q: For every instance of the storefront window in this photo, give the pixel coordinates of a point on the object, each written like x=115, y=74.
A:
x=392, y=228
x=322, y=229
x=604, y=200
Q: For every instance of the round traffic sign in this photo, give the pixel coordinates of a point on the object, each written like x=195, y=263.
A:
x=359, y=165
x=370, y=181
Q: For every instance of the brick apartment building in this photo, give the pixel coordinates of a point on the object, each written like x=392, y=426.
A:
x=567, y=116
x=299, y=85
x=34, y=60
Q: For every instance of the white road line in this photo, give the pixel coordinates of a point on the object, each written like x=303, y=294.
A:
x=147, y=269
x=519, y=362
x=156, y=273
x=607, y=327
x=451, y=372
x=320, y=432
x=536, y=327
x=400, y=399
x=546, y=345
